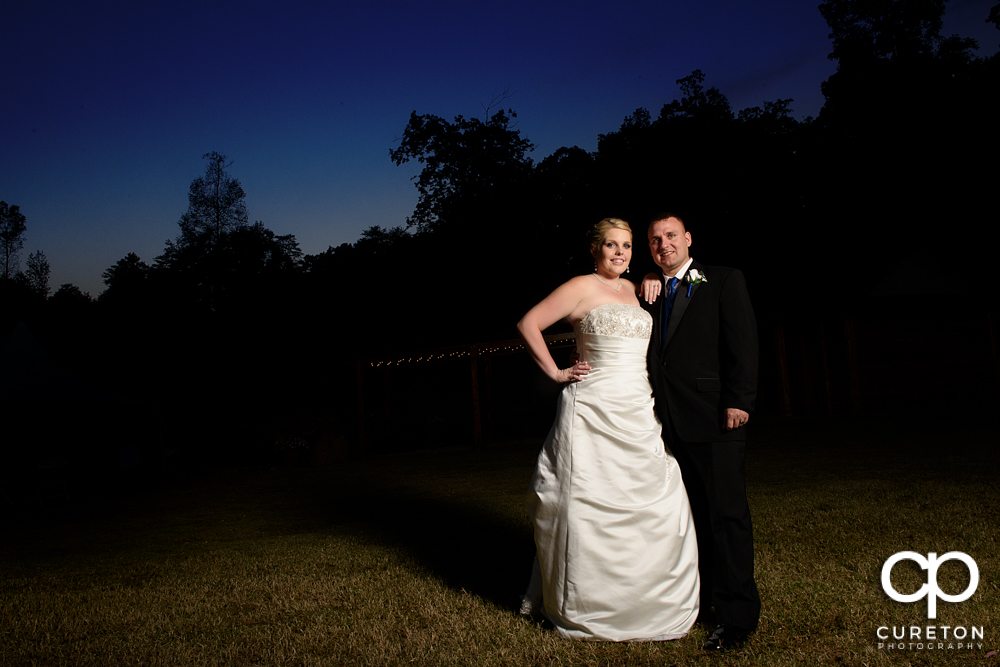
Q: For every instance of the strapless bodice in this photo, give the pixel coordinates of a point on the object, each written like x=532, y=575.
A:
x=614, y=335
x=616, y=319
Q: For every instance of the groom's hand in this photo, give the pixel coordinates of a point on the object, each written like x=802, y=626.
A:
x=736, y=418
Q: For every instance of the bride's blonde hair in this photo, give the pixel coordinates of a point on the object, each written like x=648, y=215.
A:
x=600, y=230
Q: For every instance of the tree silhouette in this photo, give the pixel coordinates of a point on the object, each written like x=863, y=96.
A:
x=37, y=273
x=891, y=58
x=775, y=117
x=696, y=102
x=12, y=227
x=216, y=207
x=467, y=164
x=218, y=259
x=563, y=197
x=216, y=204
x=699, y=159
x=126, y=279
x=864, y=30
x=252, y=264
x=70, y=296
x=907, y=116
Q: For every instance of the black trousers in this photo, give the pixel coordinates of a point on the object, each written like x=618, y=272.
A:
x=714, y=475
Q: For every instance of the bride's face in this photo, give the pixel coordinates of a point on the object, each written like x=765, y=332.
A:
x=615, y=252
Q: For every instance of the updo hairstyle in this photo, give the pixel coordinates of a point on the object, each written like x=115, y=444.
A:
x=598, y=232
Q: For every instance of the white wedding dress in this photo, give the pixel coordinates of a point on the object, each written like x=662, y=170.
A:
x=617, y=557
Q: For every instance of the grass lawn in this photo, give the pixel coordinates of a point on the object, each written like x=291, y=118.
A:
x=419, y=559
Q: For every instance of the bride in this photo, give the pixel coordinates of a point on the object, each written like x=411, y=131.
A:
x=617, y=557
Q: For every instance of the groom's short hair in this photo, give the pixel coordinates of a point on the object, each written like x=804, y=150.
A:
x=663, y=216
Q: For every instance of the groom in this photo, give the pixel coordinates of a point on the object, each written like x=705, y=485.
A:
x=702, y=364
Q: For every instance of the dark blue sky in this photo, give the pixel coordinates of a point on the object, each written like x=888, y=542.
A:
x=107, y=107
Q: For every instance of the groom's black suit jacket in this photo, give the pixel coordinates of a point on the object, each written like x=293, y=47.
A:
x=706, y=361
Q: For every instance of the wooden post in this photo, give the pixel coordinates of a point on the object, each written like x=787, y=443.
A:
x=387, y=399
x=806, y=375
x=477, y=428
x=786, y=391
x=994, y=348
x=362, y=445
x=488, y=397
x=827, y=385
x=852, y=365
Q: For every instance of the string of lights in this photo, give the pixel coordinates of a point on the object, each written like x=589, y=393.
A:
x=479, y=350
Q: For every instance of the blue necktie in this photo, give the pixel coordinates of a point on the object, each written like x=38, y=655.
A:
x=668, y=304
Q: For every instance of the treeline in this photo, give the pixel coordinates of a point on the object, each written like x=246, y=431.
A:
x=898, y=169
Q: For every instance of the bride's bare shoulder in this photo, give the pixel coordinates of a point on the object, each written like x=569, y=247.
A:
x=578, y=284
x=585, y=279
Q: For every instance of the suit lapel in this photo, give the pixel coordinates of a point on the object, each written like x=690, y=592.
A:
x=680, y=304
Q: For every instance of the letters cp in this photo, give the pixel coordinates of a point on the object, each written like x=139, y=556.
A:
x=930, y=589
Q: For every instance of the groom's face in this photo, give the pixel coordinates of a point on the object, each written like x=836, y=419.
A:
x=669, y=243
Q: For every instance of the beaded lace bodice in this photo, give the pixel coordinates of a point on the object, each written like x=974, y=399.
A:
x=617, y=319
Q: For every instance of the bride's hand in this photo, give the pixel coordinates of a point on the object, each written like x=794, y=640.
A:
x=650, y=287
x=575, y=373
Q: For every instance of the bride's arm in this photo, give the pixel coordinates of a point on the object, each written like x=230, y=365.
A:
x=556, y=306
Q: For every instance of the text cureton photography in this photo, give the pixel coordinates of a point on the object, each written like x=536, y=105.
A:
x=930, y=637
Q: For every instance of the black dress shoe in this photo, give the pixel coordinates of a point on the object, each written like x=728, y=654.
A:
x=726, y=637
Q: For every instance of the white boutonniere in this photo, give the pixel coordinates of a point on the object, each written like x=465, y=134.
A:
x=694, y=277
